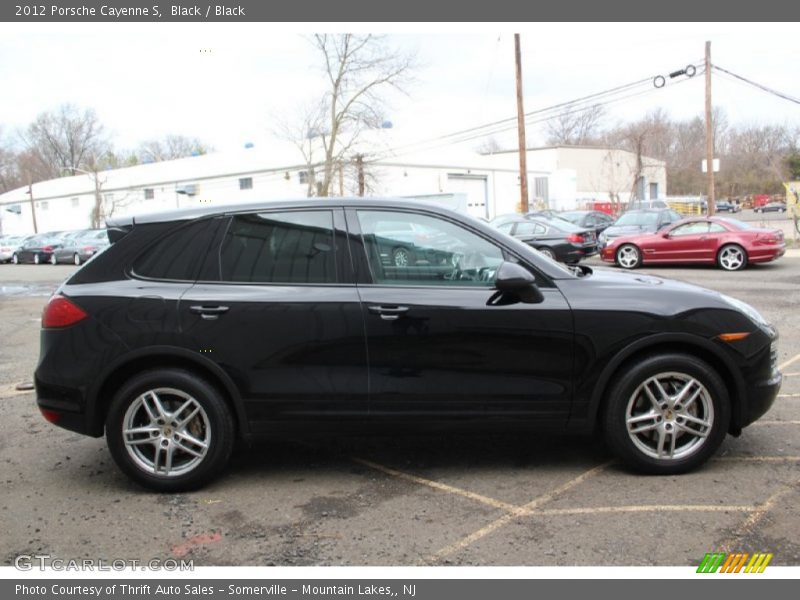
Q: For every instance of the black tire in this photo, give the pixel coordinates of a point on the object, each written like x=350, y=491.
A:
x=53, y=259
x=628, y=256
x=402, y=257
x=213, y=423
x=36, y=259
x=76, y=259
x=626, y=396
x=732, y=257
x=15, y=259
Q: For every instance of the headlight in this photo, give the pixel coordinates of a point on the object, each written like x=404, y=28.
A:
x=746, y=309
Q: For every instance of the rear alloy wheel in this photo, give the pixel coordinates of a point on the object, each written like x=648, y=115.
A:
x=53, y=260
x=401, y=257
x=667, y=414
x=77, y=259
x=732, y=257
x=548, y=252
x=628, y=256
x=36, y=259
x=170, y=430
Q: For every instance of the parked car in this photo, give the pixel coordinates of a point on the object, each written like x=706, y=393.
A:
x=729, y=243
x=725, y=206
x=555, y=238
x=639, y=221
x=770, y=207
x=78, y=249
x=404, y=244
x=37, y=249
x=546, y=213
x=8, y=245
x=645, y=204
x=205, y=326
x=588, y=219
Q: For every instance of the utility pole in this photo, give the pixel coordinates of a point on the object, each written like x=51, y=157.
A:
x=709, y=136
x=360, y=171
x=523, y=151
x=33, y=205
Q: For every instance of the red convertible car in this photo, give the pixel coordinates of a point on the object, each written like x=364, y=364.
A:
x=726, y=242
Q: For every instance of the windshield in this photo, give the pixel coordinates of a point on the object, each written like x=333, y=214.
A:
x=638, y=218
x=572, y=217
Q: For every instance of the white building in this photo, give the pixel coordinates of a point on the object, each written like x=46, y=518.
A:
x=559, y=177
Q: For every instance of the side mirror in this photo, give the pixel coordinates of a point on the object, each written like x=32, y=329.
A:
x=665, y=235
x=516, y=281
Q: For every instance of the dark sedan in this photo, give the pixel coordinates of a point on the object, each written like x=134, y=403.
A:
x=635, y=222
x=78, y=249
x=37, y=249
x=725, y=206
x=555, y=238
x=771, y=207
x=199, y=330
x=588, y=219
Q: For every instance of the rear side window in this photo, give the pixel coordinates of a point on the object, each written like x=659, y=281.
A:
x=177, y=255
x=281, y=247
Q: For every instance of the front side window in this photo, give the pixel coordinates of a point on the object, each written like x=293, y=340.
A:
x=293, y=247
x=414, y=249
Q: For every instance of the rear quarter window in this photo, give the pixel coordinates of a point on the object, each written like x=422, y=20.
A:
x=178, y=254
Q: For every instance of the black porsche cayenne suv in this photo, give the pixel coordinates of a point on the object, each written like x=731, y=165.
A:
x=199, y=328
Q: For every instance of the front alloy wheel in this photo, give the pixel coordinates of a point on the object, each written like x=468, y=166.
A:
x=170, y=430
x=666, y=414
x=628, y=256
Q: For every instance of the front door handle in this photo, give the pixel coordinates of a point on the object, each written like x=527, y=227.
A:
x=209, y=312
x=388, y=313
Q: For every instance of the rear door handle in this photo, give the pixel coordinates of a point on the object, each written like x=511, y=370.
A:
x=209, y=312
x=388, y=313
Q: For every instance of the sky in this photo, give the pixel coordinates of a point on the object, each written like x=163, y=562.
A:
x=147, y=80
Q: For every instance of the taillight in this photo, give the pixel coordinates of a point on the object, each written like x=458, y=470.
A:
x=47, y=249
x=89, y=249
x=575, y=238
x=61, y=312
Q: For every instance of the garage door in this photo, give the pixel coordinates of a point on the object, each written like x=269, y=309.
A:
x=475, y=188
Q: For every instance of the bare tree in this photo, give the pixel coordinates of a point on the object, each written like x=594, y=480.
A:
x=489, y=145
x=63, y=139
x=575, y=128
x=10, y=177
x=303, y=127
x=170, y=147
x=359, y=69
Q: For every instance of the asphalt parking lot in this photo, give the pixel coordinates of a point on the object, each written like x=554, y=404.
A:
x=416, y=500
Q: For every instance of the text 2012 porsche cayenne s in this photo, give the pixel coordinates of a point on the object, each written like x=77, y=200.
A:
x=196, y=329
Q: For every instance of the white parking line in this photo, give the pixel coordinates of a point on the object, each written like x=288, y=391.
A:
x=789, y=362
x=593, y=510
x=443, y=487
x=521, y=511
x=775, y=459
x=756, y=517
x=762, y=423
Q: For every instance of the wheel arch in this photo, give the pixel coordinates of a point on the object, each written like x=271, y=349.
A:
x=115, y=375
x=671, y=343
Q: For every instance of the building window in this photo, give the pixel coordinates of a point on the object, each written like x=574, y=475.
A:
x=303, y=177
x=246, y=183
x=76, y=202
x=44, y=205
x=149, y=193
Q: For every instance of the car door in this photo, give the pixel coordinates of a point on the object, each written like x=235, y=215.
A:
x=683, y=243
x=276, y=306
x=439, y=342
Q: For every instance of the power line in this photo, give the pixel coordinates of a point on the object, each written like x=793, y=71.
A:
x=573, y=107
x=760, y=86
